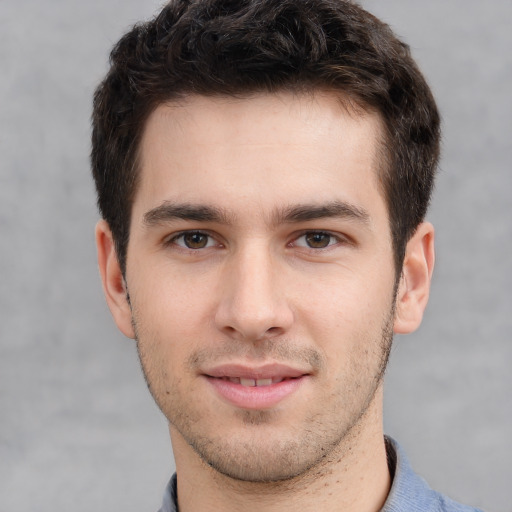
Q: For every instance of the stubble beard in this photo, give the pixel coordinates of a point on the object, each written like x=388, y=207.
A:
x=306, y=448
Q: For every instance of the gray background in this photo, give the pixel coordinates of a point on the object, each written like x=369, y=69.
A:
x=78, y=429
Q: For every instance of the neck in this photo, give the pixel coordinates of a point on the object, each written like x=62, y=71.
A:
x=354, y=477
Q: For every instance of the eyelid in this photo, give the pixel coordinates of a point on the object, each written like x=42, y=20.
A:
x=339, y=238
x=171, y=239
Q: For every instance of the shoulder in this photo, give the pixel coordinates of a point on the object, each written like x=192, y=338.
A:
x=448, y=505
x=409, y=492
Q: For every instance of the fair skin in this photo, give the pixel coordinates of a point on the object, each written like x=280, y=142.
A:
x=261, y=292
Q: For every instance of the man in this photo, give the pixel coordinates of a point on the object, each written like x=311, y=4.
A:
x=263, y=171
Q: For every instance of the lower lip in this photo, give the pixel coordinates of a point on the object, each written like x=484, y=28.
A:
x=255, y=397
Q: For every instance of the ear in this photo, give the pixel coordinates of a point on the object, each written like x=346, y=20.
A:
x=414, y=287
x=112, y=278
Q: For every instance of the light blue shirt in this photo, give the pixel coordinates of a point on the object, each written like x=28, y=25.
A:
x=409, y=492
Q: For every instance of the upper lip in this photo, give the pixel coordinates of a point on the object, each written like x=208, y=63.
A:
x=267, y=371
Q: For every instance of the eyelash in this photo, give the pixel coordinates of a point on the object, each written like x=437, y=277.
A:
x=334, y=239
x=173, y=240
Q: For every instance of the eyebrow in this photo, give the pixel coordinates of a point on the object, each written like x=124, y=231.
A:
x=334, y=209
x=169, y=211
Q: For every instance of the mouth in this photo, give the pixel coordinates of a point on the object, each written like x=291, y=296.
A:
x=255, y=388
x=256, y=382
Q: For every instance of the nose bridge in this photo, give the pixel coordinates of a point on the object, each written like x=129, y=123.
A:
x=253, y=305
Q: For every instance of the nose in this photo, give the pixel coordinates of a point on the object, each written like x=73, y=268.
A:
x=253, y=304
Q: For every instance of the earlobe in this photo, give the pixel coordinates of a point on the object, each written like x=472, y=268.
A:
x=414, y=286
x=112, y=279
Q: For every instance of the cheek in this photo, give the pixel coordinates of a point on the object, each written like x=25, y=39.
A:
x=173, y=302
x=170, y=322
x=346, y=319
x=165, y=339
x=345, y=301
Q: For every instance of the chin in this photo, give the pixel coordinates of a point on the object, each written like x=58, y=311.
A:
x=263, y=465
x=265, y=455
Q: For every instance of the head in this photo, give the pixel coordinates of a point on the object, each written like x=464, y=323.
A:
x=238, y=48
x=262, y=169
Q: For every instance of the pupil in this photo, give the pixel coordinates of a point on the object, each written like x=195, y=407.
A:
x=195, y=241
x=318, y=240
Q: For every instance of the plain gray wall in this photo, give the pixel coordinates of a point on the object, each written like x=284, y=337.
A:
x=78, y=429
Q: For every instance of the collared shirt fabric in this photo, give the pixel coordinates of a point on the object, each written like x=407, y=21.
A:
x=409, y=492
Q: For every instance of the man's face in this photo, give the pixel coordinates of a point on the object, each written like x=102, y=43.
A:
x=260, y=275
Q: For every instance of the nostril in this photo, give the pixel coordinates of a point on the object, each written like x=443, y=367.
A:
x=271, y=332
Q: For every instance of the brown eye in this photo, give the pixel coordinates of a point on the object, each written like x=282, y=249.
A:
x=195, y=240
x=318, y=240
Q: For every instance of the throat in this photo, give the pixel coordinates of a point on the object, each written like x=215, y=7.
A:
x=350, y=478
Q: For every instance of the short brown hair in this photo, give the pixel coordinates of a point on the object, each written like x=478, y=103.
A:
x=239, y=47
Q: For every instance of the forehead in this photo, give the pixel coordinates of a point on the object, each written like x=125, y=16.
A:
x=262, y=149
